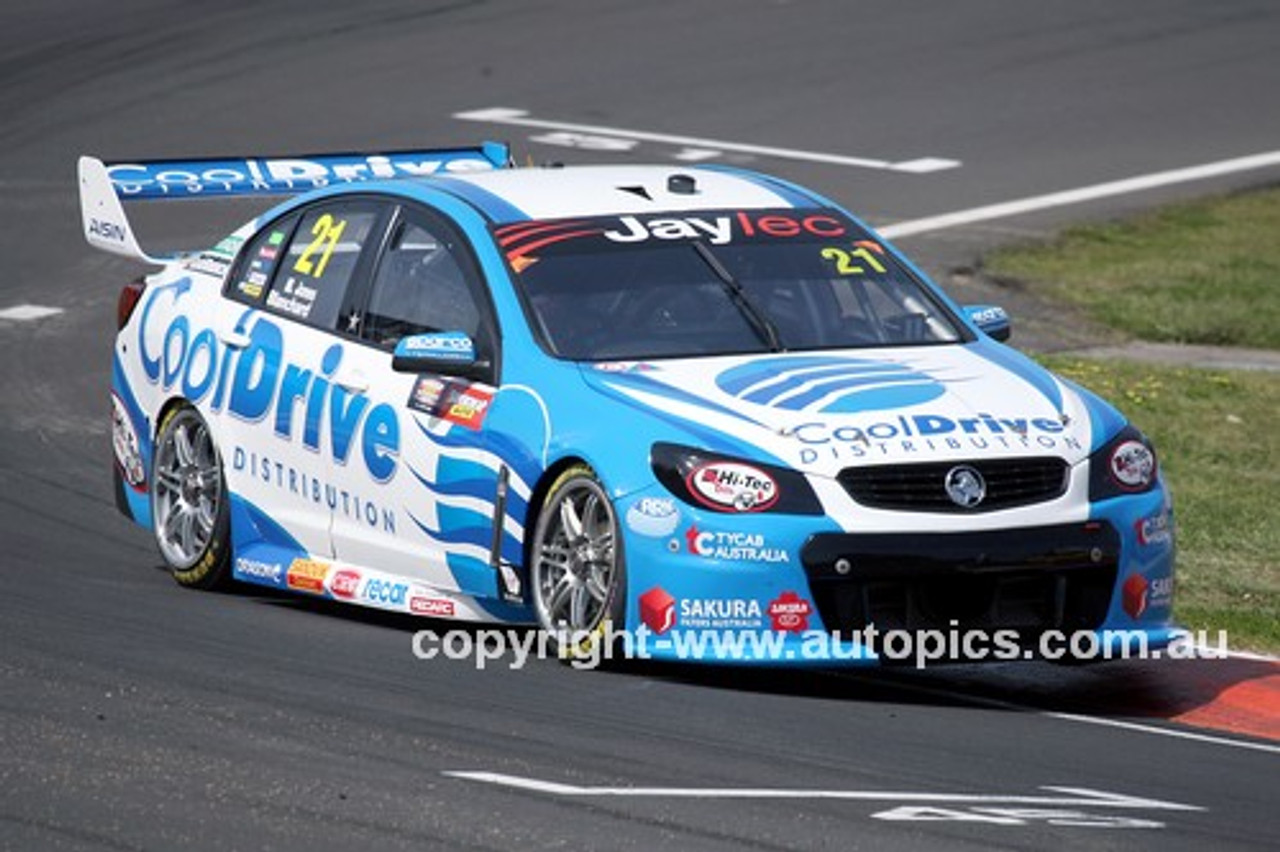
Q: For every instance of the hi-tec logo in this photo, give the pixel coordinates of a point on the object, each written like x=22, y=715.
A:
x=732, y=486
x=836, y=385
x=256, y=384
x=719, y=230
x=231, y=177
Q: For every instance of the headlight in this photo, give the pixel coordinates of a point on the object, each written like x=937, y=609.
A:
x=1125, y=465
x=724, y=484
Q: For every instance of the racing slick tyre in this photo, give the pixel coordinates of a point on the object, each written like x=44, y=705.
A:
x=578, y=576
x=189, y=513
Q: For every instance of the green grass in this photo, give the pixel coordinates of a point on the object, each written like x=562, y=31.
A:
x=1204, y=273
x=1207, y=273
x=1218, y=440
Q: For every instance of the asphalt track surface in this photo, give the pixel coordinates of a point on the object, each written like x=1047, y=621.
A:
x=137, y=715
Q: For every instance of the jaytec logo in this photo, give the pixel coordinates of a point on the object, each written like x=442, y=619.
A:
x=826, y=384
x=719, y=230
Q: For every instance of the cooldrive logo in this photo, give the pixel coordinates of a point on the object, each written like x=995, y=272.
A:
x=835, y=385
x=230, y=177
x=931, y=433
x=257, y=384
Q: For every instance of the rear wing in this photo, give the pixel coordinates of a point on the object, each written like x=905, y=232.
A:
x=103, y=187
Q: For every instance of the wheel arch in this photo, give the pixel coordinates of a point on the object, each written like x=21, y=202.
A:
x=166, y=408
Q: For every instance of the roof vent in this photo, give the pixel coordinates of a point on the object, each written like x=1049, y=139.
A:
x=682, y=185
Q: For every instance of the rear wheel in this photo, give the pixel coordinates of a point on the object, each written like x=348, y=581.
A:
x=578, y=576
x=188, y=501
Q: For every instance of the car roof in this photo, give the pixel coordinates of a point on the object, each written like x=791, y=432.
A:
x=558, y=192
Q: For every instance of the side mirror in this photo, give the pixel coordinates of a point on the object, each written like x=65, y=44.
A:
x=990, y=319
x=450, y=353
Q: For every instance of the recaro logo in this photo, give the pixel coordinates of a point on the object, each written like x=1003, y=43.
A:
x=826, y=384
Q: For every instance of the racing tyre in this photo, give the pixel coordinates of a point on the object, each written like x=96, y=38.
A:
x=578, y=576
x=188, y=501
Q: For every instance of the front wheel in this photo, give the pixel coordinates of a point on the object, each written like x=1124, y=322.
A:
x=188, y=501
x=578, y=576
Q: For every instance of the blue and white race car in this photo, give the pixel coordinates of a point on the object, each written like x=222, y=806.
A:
x=665, y=400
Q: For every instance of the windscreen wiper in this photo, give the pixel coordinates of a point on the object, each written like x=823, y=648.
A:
x=756, y=318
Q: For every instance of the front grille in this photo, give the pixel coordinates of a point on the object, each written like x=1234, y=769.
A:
x=1058, y=577
x=1027, y=601
x=921, y=487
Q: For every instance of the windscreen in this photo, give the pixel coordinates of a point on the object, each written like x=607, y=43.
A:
x=716, y=282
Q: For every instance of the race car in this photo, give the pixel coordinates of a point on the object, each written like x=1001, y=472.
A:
x=666, y=401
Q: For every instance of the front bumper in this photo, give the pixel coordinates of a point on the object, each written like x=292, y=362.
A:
x=1033, y=579
x=791, y=590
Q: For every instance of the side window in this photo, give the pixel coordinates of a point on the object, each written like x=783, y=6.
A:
x=421, y=286
x=260, y=260
x=320, y=261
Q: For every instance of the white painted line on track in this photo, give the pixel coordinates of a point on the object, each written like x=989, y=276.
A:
x=1240, y=655
x=1075, y=796
x=1000, y=704
x=1077, y=196
x=1164, y=732
x=26, y=313
x=701, y=147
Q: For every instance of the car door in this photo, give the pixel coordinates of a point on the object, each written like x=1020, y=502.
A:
x=433, y=524
x=286, y=423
